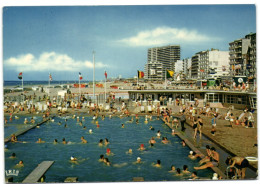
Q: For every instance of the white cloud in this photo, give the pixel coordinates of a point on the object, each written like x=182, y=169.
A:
x=166, y=35
x=49, y=61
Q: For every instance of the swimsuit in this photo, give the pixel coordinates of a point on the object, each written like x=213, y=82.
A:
x=244, y=164
x=214, y=162
x=194, y=126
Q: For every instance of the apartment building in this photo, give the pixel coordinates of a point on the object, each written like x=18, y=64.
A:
x=210, y=63
x=160, y=59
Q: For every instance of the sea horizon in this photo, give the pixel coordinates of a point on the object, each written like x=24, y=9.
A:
x=40, y=82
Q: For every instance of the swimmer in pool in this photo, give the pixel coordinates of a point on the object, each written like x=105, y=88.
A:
x=64, y=141
x=152, y=141
x=13, y=155
x=173, y=170
x=101, y=158
x=107, y=162
x=32, y=120
x=72, y=158
x=100, y=142
x=13, y=138
x=59, y=123
x=194, y=176
x=65, y=126
x=151, y=118
x=55, y=141
x=183, y=143
x=40, y=141
x=103, y=117
x=20, y=164
x=141, y=148
x=106, y=141
x=146, y=121
x=109, y=153
x=137, y=121
x=83, y=119
x=158, y=134
x=158, y=164
x=193, y=155
x=83, y=140
x=84, y=127
x=130, y=151
x=173, y=132
x=122, y=126
x=185, y=170
x=131, y=121
x=151, y=128
x=165, y=140
x=138, y=161
x=90, y=131
x=178, y=172
x=80, y=123
x=25, y=121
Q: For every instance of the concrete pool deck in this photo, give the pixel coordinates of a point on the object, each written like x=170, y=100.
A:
x=196, y=150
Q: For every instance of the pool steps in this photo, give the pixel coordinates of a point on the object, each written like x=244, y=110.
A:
x=38, y=172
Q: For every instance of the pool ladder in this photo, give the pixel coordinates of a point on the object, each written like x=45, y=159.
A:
x=230, y=170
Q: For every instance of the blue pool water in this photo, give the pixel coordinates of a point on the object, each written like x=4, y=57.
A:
x=15, y=125
x=89, y=168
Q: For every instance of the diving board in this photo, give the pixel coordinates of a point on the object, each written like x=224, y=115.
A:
x=38, y=172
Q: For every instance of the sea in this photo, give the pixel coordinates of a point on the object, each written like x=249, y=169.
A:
x=40, y=83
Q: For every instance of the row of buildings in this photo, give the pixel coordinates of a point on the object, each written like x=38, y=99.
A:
x=239, y=60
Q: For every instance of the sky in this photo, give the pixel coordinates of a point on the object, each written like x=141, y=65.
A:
x=38, y=40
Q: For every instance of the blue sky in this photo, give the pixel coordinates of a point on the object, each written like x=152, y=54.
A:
x=60, y=40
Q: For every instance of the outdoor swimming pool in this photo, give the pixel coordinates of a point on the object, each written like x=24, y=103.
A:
x=89, y=168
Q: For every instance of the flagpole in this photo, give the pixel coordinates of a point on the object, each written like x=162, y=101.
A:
x=49, y=84
x=105, y=88
x=137, y=78
x=22, y=88
x=165, y=79
x=94, y=76
x=79, y=88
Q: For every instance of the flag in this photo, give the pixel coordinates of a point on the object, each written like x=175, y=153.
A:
x=140, y=74
x=50, y=77
x=80, y=76
x=106, y=74
x=20, y=76
x=169, y=73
